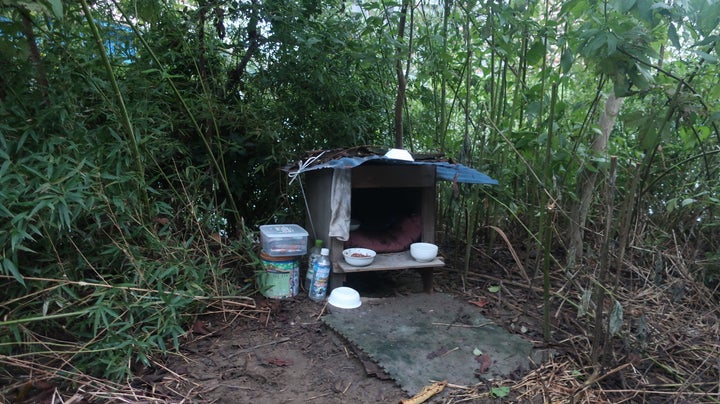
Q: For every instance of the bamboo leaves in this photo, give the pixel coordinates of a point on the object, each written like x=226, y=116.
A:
x=615, y=320
x=48, y=7
x=8, y=266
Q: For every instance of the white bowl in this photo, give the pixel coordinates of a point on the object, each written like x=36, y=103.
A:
x=354, y=224
x=423, y=252
x=359, y=257
x=399, y=154
x=344, y=298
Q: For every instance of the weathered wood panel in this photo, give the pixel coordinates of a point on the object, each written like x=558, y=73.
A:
x=391, y=261
x=374, y=176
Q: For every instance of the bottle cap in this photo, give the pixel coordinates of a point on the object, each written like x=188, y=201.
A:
x=324, y=251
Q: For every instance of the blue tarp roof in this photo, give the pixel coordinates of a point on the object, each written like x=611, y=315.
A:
x=445, y=171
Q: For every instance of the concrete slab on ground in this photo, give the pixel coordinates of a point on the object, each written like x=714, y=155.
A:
x=431, y=337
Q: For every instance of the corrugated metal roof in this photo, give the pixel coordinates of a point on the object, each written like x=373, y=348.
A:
x=445, y=170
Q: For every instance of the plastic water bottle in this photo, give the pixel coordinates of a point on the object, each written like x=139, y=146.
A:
x=314, y=255
x=321, y=276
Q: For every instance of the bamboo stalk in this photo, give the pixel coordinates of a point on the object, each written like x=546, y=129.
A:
x=548, y=216
x=124, y=114
x=601, y=334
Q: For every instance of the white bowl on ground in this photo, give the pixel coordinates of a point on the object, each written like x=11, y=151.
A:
x=423, y=252
x=344, y=298
x=359, y=257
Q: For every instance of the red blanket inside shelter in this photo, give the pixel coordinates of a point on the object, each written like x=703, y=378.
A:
x=395, y=238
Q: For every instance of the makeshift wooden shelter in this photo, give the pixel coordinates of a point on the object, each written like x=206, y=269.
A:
x=393, y=200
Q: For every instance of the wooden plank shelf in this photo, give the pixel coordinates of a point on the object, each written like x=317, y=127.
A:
x=386, y=262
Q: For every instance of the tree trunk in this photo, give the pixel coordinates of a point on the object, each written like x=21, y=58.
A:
x=236, y=75
x=27, y=27
x=402, y=82
x=587, y=180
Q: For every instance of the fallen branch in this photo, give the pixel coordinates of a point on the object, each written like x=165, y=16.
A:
x=280, y=341
x=463, y=325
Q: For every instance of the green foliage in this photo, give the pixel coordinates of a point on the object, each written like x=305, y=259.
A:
x=500, y=391
x=198, y=108
x=98, y=268
x=47, y=7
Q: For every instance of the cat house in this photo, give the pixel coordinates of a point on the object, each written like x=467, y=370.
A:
x=376, y=202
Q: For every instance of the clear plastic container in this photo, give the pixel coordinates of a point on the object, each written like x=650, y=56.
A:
x=314, y=255
x=321, y=277
x=283, y=240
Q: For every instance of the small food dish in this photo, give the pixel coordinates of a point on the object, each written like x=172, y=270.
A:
x=399, y=154
x=344, y=298
x=359, y=257
x=354, y=224
x=423, y=252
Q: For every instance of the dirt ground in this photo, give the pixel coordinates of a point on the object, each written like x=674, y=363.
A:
x=280, y=351
x=286, y=354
